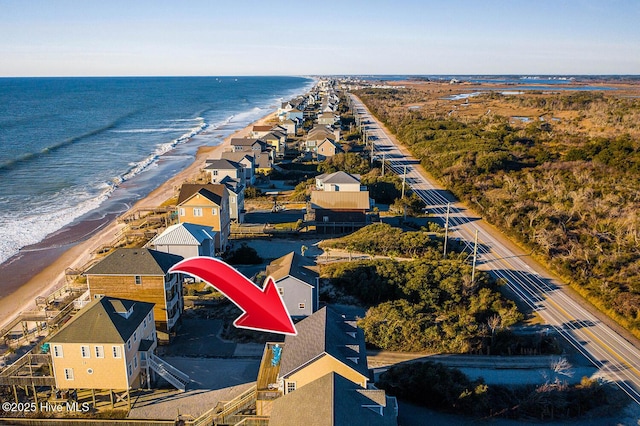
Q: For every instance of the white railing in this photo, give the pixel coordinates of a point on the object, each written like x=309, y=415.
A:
x=167, y=371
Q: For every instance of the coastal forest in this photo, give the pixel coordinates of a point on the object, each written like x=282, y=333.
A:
x=558, y=172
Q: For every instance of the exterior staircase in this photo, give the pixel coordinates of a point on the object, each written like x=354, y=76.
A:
x=168, y=372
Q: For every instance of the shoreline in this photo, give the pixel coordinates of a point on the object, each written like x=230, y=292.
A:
x=38, y=270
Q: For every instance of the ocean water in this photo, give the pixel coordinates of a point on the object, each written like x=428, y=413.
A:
x=68, y=145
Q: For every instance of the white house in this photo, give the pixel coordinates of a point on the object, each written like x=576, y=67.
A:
x=339, y=182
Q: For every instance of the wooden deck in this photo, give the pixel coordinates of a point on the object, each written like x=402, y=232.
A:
x=268, y=374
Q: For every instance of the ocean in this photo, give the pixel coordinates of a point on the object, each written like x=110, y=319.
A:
x=76, y=147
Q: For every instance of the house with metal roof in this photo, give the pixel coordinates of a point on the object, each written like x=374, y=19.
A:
x=333, y=400
x=110, y=344
x=141, y=274
x=297, y=282
x=338, y=211
x=186, y=240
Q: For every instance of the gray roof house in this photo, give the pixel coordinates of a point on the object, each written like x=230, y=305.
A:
x=186, y=240
x=326, y=342
x=333, y=400
x=219, y=169
x=339, y=181
x=141, y=274
x=247, y=161
x=296, y=282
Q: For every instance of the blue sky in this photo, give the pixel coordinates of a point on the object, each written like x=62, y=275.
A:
x=243, y=37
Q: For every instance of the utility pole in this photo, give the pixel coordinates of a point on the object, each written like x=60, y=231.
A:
x=404, y=180
x=446, y=231
x=475, y=257
x=372, y=149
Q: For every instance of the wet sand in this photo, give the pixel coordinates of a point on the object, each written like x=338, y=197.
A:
x=39, y=269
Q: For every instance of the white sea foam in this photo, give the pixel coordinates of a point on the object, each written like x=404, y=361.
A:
x=30, y=227
x=158, y=130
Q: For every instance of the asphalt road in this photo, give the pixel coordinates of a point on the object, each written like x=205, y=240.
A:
x=617, y=358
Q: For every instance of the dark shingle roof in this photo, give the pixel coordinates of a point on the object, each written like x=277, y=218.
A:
x=292, y=264
x=135, y=261
x=324, y=332
x=99, y=322
x=212, y=191
x=331, y=400
x=339, y=177
x=223, y=164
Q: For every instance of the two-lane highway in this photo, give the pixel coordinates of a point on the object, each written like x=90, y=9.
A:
x=616, y=357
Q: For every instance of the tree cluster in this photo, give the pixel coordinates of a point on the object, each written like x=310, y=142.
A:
x=428, y=304
x=446, y=389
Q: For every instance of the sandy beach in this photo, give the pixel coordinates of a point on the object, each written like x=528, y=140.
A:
x=39, y=271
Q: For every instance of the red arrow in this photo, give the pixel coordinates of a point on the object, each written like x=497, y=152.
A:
x=263, y=309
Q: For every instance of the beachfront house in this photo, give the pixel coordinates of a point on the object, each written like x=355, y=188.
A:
x=186, y=240
x=109, y=345
x=247, y=144
x=217, y=170
x=142, y=274
x=258, y=132
x=246, y=159
x=297, y=283
x=208, y=205
x=339, y=181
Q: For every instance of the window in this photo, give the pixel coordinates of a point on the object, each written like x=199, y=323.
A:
x=149, y=316
x=138, y=279
x=84, y=351
x=281, y=291
x=129, y=344
x=215, y=172
x=214, y=212
x=144, y=323
x=291, y=386
x=68, y=373
x=99, y=352
x=117, y=352
x=232, y=199
x=135, y=361
x=135, y=336
x=181, y=211
x=129, y=369
x=300, y=305
x=197, y=211
x=57, y=351
x=89, y=370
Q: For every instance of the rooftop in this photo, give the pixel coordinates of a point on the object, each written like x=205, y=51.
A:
x=135, y=261
x=101, y=322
